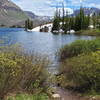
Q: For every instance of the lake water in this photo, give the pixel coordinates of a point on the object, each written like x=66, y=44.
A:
x=41, y=43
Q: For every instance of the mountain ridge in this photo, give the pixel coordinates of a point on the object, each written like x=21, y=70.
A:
x=10, y=13
x=87, y=11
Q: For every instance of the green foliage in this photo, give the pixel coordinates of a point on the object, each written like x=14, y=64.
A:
x=79, y=47
x=56, y=22
x=94, y=19
x=28, y=24
x=82, y=72
x=20, y=71
x=42, y=96
x=81, y=21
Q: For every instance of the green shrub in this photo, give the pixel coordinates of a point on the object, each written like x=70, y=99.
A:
x=79, y=47
x=20, y=71
x=82, y=72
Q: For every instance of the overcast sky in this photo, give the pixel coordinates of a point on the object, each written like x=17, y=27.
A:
x=47, y=7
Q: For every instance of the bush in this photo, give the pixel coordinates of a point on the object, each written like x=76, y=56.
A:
x=82, y=72
x=22, y=72
x=79, y=47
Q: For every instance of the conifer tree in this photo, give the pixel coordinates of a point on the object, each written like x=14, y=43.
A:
x=63, y=16
x=81, y=21
x=56, y=21
x=94, y=18
x=66, y=23
x=98, y=21
x=28, y=24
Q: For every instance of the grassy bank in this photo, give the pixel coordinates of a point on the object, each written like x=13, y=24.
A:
x=42, y=96
x=79, y=47
x=91, y=32
x=20, y=72
x=80, y=67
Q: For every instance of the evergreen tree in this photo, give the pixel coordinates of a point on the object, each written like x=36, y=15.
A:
x=56, y=21
x=63, y=16
x=66, y=23
x=86, y=22
x=82, y=18
x=28, y=24
x=77, y=23
x=94, y=19
x=98, y=21
x=81, y=21
x=72, y=23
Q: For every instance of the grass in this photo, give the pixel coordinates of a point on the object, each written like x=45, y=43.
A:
x=80, y=67
x=82, y=73
x=42, y=96
x=79, y=47
x=91, y=32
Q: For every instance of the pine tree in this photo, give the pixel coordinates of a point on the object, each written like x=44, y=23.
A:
x=66, y=23
x=72, y=22
x=98, y=21
x=81, y=21
x=63, y=16
x=94, y=19
x=56, y=21
x=28, y=24
x=77, y=26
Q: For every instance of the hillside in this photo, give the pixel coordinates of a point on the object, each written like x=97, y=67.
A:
x=10, y=13
x=87, y=11
x=39, y=18
x=13, y=15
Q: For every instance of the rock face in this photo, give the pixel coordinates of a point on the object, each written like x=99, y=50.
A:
x=87, y=11
x=39, y=18
x=31, y=14
x=10, y=13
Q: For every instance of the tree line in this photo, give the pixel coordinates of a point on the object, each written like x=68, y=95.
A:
x=81, y=21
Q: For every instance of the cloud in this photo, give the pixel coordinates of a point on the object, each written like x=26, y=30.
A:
x=40, y=7
x=86, y=3
x=47, y=7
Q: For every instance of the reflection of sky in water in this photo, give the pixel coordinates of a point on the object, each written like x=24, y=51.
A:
x=42, y=43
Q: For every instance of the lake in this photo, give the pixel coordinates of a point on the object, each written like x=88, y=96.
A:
x=42, y=43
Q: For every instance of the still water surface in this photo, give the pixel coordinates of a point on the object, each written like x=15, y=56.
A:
x=43, y=43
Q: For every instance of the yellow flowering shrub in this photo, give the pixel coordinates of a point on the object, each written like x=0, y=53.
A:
x=20, y=71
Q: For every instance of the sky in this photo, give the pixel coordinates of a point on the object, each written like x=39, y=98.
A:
x=47, y=7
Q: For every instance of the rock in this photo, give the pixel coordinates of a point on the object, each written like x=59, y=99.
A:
x=91, y=26
x=56, y=96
